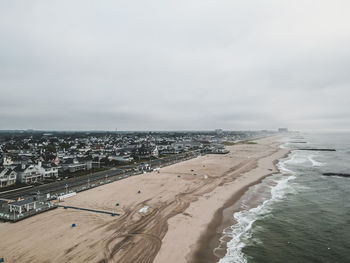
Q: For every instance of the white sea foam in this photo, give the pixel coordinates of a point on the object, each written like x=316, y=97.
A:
x=284, y=145
x=290, y=143
x=298, y=158
x=241, y=232
x=314, y=162
x=284, y=170
x=282, y=165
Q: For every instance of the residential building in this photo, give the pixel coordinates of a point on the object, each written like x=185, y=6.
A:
x=29, y=175
x=7, y=177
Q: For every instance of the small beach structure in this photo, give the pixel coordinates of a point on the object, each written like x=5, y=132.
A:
x=64, y=196
x=23, y=205
x=143, y=210
x=14, y=211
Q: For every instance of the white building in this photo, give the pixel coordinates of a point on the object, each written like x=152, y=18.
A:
x=30, y=174
x=7, y=161
x=49, y=171
x=155, y=152
x=74, y=165
x=125, y=158
x=7, y=177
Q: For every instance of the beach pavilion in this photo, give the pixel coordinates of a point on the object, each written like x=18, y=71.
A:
x=22, y=205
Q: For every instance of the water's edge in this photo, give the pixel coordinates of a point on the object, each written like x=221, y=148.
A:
x=212, y=238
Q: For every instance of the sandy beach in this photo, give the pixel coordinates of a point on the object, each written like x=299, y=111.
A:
x=176, y=213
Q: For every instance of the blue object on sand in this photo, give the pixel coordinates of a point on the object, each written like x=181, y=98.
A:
x=2, y=260
x=117, y=204
x=73, y=225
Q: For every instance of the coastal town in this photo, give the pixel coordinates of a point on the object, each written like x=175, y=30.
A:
x=174, y=131
x=134, y=205
x=35, y=157
x=37, y=166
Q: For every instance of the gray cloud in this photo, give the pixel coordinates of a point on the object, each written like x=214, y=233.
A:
x=183, y=65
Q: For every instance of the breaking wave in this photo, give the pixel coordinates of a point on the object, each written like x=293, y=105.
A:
x=240, y=233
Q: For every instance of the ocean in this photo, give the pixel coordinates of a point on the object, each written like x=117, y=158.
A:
x=298, y=214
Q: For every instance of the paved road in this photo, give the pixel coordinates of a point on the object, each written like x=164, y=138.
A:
x=96, y=179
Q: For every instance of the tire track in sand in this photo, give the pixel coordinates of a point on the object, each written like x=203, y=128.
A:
x=140, y=240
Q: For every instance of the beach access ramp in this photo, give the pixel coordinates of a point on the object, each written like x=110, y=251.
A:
x=89, y=210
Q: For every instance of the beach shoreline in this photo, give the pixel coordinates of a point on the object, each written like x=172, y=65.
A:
x=163, y=216
x=207, y=213
x=223, y=218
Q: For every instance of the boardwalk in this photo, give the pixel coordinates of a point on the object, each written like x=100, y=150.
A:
x=90, y=210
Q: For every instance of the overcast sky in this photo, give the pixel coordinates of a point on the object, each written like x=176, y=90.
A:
x=175, y=65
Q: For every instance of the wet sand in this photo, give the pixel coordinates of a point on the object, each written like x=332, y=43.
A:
x=209, y=241
x=202, y=231
x=178, y=204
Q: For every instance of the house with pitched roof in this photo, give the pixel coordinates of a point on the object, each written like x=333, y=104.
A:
x=7, y=177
